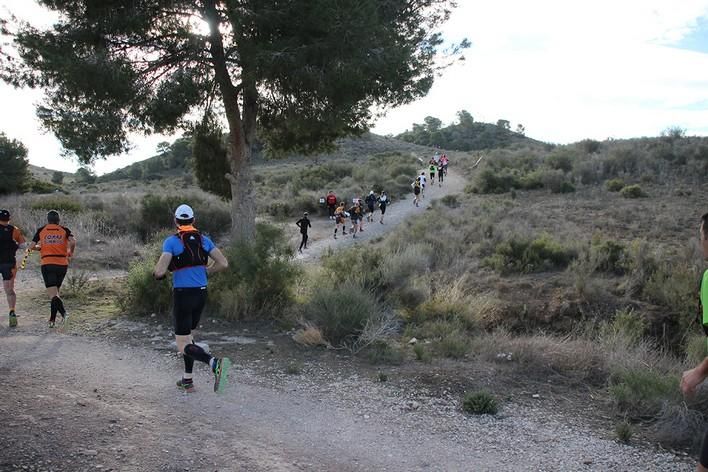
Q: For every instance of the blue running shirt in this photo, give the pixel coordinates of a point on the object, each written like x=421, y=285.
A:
x=189, y=277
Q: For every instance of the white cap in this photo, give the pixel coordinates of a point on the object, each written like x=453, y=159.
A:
x=184, y=212
x=371, y=193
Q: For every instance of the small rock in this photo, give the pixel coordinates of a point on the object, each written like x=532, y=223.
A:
x=413, y=341
x=535, y=395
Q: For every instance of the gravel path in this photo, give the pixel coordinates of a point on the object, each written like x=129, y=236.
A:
x=321, y=235
x=74, y=403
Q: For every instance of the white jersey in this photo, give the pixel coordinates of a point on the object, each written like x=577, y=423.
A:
x=422, y=179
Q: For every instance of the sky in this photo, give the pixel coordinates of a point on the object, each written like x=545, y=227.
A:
x=566, y=70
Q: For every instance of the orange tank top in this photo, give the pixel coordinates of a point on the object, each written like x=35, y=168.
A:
x=54, y=244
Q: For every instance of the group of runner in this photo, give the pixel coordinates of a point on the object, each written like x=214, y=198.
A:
x=188, y=254
x=360, y=209
x=436, y=166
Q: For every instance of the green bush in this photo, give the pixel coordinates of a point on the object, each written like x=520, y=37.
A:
x=260, y=279
x=609, y=256
x=342, y=313
x=450, y=201
x=143, y=294
x=518, y=255
x=421, y=353
x=59, y=203
x=560, y=160
x=628, y=324
x=566, y=187
x=641, y=393
x=632, y=191
x=366, y=266
x=614, y=185
x=454, y=345
x=490, y=181
x=479, y=403
x=40, y=186
x=381, y=352
x=624, y=432
x=157, y=213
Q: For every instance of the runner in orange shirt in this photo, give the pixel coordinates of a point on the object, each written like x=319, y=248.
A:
x=56, y=247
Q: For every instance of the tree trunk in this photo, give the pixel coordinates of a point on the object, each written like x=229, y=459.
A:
x=243, y=202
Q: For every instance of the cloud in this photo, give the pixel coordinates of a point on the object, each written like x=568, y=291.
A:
x=568, y=70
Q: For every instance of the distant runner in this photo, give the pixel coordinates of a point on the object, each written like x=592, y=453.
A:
x=371, y=204
x=692, y=378
x=11, y=240
x=441, y=171
x=191, y=257
x=444, y=161
x=331, y=201
x=340, y=217
x=56, y=247
x=416, y=191
x=356, y=216
x=303, y=223
x=383, y=201
x=433, y=167
x=422, y=179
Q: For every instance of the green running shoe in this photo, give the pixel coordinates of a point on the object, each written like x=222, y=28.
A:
x=13, y=319
x=221, y=374
x=185, y=387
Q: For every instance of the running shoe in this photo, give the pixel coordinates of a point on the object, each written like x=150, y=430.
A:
x=187, y=387
x=51, y=324
x=221, y=374
x=65, y=321
x=13, y=319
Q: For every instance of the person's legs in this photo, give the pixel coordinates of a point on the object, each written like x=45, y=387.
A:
x=8, y=284
x=304, y=238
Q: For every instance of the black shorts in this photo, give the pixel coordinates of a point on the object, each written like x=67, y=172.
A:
x=8, y=270
x=416, y=191
x=703, y=458
x=53, y=275
x=383, y=209
x=371, y=208
x=188, y=304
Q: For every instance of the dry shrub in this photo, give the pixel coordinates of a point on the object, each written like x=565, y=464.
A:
x=546, y=355
x=309, y=335
x=678, y=426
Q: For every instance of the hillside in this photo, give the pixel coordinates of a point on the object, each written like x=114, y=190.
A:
x=176, y=160
x=467, y=135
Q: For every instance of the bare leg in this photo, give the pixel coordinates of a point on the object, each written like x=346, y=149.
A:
x=9, y=286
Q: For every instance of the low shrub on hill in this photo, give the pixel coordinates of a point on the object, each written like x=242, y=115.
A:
x=480, y=403
x=59, y=203
x=520, y=255
x=632, y=191
x=260, y=279
x=614, y=185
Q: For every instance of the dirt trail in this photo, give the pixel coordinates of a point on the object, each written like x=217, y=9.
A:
x=321, y=234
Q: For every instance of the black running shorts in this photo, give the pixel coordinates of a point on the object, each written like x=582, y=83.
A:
x=53, y=275
x=383, y=209
x=703, y=458
x=8, y=270
x=187, y=309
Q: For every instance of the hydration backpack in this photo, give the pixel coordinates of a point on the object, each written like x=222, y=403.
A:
x=193, y=255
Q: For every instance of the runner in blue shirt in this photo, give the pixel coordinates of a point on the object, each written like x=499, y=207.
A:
x=191, y=257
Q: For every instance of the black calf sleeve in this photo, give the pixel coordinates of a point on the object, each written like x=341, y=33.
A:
x=188, y=364
x=53, y=309
x=60, y=306
x=197, y=353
